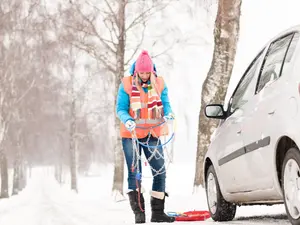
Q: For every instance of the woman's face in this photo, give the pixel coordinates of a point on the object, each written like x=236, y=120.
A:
x=144, y=76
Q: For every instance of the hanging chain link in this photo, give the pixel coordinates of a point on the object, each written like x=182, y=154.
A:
x=155, y=153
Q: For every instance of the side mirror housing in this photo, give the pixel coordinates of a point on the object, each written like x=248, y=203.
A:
x=215, y=111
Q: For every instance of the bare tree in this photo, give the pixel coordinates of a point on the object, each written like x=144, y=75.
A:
x=214, y=88
x=25, y=124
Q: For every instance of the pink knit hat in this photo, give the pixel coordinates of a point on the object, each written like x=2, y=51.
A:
x=144, y=63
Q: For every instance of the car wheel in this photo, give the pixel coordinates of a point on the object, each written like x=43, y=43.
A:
x=291, y=185
x=219, y=208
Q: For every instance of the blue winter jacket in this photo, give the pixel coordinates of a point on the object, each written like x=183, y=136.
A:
x=123, y=103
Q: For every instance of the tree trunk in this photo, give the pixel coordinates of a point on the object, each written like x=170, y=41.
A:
x=59, y=164
x=23, y=176
x=73, y=128
x=30, y=170
x=73, y=164
x=118, y=153
x=4, y=175
x=58, y=172
x=214, y=88
x=16, y=178
x=60, y=167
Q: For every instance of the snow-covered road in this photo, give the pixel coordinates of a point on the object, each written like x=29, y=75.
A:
x=44, y=202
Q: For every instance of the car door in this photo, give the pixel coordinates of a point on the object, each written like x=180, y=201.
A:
x=229, y=143
x=231, y=158
x=263, y=116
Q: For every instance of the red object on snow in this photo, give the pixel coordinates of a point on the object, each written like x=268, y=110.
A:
x=193, y=216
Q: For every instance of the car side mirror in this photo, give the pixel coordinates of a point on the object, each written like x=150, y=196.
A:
x=215, y=111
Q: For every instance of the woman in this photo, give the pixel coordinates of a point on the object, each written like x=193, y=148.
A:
x=143, y=102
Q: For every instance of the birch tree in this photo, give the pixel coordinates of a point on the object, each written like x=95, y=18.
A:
x=66, y=65
x=226, y=33
x=22, y=34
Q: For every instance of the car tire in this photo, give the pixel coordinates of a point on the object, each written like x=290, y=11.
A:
x=290, y=176
x=219, y=208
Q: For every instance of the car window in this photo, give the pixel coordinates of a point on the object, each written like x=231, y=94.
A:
x=273, y=62
x=247, y=85
x=290, y=54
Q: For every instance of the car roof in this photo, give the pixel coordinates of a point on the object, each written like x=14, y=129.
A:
x=286, y=31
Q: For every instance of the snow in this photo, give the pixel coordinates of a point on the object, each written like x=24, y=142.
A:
x=45, y=202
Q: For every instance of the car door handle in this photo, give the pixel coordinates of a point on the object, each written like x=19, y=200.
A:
x=239, y=132
x=272, y=112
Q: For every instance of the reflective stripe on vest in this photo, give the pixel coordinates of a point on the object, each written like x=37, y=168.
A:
x=149, y=121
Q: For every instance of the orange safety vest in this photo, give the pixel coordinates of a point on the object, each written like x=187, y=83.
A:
x=144, y=121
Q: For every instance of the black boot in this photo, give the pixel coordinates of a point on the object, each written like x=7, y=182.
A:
x=157, y=207
x=136, y=206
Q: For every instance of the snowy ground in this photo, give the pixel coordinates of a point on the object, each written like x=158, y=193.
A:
x=44, y=202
